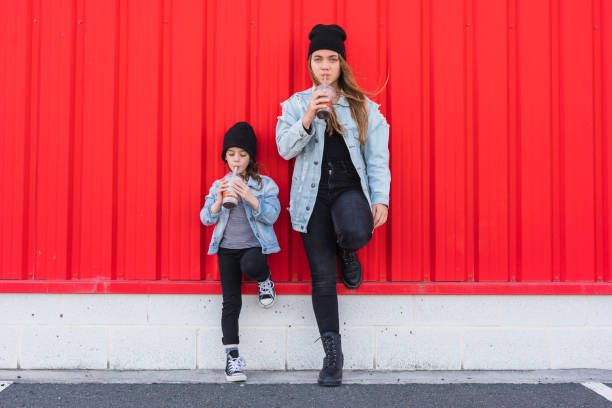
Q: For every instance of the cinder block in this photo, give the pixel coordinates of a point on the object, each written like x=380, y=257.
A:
x=64, y=348
x=304, y=351
x=8, y=347
x=581, y=348
x=288, y=310
x=543, y=310
x=30, y=309
x=505, y=349
x=211, y=355
x=454, y=310
x=375, y=310
x=153, y=348
x=175, y=310
x=599, y=310
x=357, y=347
x=263, y=348
x=418, y=348
x=102, y=309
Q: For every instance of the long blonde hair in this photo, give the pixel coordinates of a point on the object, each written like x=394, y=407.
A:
x=356, y=97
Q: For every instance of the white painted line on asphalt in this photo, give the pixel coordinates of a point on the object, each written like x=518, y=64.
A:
x=600, y=388
x=4, y=385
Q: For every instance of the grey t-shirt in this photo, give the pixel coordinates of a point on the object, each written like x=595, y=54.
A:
x=238, y=233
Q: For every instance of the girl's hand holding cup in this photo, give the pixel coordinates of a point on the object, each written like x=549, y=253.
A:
x=245, y=193
x=223, y=186
x=320, y=99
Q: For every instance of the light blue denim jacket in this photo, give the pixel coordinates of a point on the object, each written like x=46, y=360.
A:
x=260, y=221
x=371, y=161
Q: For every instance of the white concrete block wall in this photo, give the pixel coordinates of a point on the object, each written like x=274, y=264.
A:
x=63, y=347
x=124, y=332
x=506, y=348
x=581, y=348
x=418, y=348
x=156, y=348
x=9, y=338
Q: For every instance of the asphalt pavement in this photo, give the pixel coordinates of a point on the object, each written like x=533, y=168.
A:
x=91, y=389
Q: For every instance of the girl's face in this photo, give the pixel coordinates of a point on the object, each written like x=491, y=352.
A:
x=325, y=62
x=237, y=157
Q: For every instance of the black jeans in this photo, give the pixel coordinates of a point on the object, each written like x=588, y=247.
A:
x=232, y=264
x=341, y=210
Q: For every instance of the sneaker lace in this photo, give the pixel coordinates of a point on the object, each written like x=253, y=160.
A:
x=236, y=364
x=265, y=287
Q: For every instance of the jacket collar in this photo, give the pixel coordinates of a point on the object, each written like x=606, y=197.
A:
x=253, y=183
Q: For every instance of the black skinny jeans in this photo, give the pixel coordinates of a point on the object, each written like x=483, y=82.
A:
x=341, y=210
x=232, y=264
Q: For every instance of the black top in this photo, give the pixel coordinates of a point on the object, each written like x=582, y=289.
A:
x=335, y=148
x=337, y=167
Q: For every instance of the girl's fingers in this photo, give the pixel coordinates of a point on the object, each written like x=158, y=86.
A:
x=239, y=183
x=382, y=220
x=380, y=216
x=377, y=220
x=241, y=188
x=319, y=94
x=376, y=216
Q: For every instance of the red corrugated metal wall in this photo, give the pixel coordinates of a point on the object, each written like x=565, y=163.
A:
x=113, y=113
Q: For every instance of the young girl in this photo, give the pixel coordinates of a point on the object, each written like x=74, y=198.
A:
x=341, y=179
x=243, y=235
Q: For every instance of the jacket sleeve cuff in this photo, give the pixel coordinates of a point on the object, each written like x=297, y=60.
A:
x=303, y=133
x=208, y=217
x=258, y=213
x=380, y=199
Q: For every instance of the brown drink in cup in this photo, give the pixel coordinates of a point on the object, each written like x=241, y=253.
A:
x=331, y=93
x=230, y=198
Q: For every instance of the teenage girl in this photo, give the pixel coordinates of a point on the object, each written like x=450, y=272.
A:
x=341, y=179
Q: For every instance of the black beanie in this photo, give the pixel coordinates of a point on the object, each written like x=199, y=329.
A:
x=240, y=135
x=327, y=37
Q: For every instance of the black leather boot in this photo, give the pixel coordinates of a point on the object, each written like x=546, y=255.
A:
x=331, y=373
x=350, y=268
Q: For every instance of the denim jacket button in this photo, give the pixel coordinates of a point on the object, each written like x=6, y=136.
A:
x=307, y=208
x=316, y=162
x=312, y=185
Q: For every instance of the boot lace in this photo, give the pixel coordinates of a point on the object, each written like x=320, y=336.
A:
x=348, y=256
x=330, y=351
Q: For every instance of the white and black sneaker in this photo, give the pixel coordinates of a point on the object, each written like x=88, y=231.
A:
x=267, y=294
x=234, y=367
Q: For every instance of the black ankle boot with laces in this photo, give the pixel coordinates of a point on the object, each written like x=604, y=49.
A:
x=331, y=373
x=350, y=268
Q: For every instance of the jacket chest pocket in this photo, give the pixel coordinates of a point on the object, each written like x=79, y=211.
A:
x=351, y=136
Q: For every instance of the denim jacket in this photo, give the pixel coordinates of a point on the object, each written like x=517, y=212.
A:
x=260, y=221
x=371, y=161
